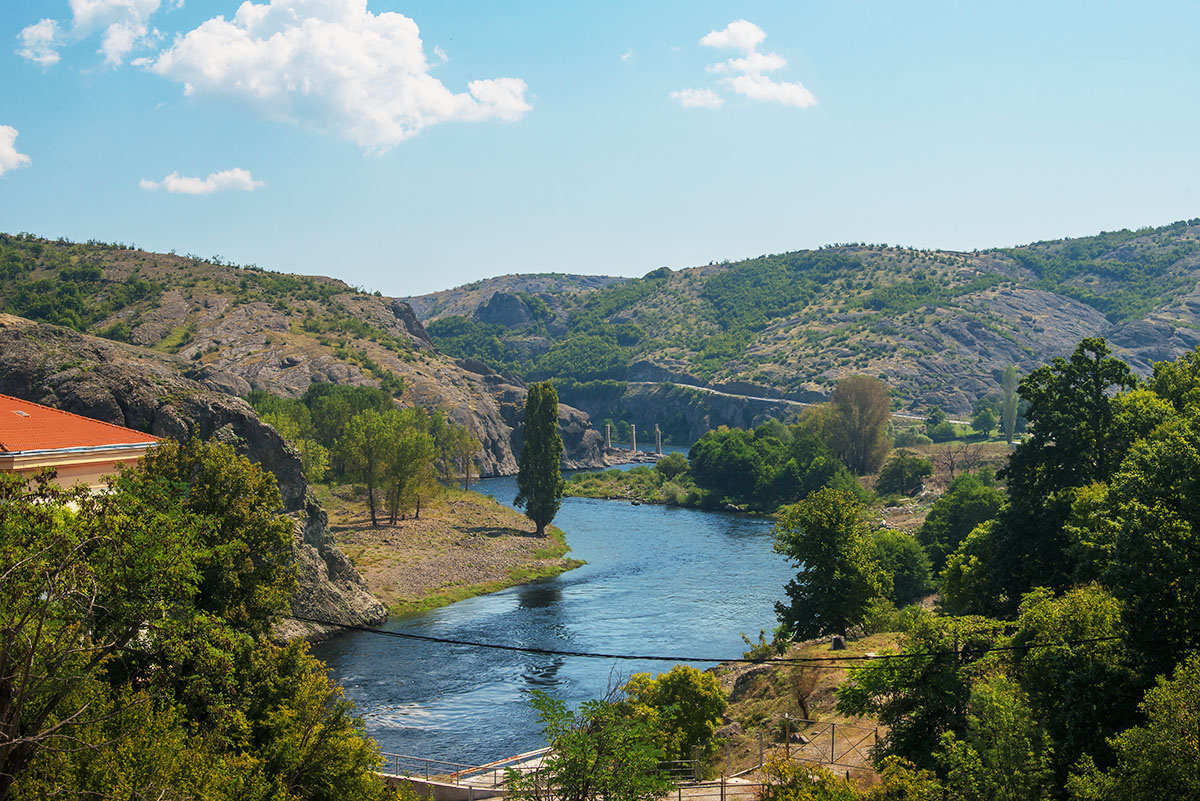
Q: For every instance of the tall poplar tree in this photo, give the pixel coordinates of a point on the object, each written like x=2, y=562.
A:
x=1008, y=405
x=539, y=482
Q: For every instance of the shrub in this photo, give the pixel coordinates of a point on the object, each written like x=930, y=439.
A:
x=904, y=473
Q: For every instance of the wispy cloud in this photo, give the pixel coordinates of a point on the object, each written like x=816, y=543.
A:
x=746, y=74
x=332, y=65
x=39, y=43
x=123, y=25
x=10, y=159
x=627, y=55
x=698, y=98
x=236, y=179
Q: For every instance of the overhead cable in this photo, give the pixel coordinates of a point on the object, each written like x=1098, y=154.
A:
x=818, y=661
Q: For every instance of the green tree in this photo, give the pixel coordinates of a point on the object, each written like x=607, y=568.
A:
x=922, y=697
x=826, y=537
x=1160, y=759
x=78, y=587
x=728, y=462
x=598, y=753
x=1080, y=657
x=539, y=479
x=942, y=432
x=672, y=465
x=138, y=662
x=245, y=542
x=1155, y=567
x=968, y=502
x=861, y=411
x=684, y=706
x=368, y=449
x=1074, y=441
x=1003, y=755
x=1008, y=403
x=904, y=559
x=984, y=421
x=903, y=474
x=411, y=477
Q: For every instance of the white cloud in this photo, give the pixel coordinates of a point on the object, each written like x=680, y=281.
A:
x=698, y=98
x=737, y=35
x=628, y=54
x=10, y=159
x=40, y=42
x=331, y=64
x=760, y=87
x=122, y=24
x=235, y=179
x=753, y=63
x=746, y=75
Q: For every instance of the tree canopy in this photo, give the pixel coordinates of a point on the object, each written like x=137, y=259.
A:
x=539, y=478
x=826, y=537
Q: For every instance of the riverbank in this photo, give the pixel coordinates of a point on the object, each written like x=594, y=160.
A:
x=464, y=544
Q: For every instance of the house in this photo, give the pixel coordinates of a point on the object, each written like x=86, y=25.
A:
x=82, y=450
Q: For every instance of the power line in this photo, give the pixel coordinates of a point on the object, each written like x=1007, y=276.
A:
x=816, y=661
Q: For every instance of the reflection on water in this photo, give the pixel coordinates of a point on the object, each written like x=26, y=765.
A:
x=539, y=594
x=677, y=582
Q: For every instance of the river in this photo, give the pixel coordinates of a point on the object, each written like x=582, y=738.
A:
x=659, y=581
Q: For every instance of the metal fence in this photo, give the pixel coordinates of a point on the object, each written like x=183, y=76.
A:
x=491, y=774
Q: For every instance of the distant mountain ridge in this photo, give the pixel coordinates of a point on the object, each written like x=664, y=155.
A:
x=938, y=326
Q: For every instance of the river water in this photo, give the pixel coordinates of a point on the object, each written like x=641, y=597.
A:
x=659, y=581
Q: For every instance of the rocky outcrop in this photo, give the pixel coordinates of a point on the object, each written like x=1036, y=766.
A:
x=583, y=446
x=234, y=348
x=146, y=391
x=504, y=309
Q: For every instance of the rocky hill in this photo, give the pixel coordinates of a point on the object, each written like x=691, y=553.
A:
x=939, y=326
x=554, y=289
x=132, y=387
x=234, y=329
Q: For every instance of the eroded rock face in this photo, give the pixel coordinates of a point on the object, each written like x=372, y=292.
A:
x=139, y=389
x=504, y=309
x=235, y=348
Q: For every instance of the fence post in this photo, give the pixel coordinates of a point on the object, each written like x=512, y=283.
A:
x=832, y=742
x=760, y=749
x=722, y=788
x=787, y=736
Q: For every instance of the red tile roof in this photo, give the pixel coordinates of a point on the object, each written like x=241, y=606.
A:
x=26, y=426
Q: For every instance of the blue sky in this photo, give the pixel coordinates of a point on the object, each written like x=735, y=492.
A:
x=414, y=146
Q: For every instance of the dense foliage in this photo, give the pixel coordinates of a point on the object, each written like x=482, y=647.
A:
x=357, y=433
x=599, y=752
x=826, y=537
x=1087, y=566
x=136, y=658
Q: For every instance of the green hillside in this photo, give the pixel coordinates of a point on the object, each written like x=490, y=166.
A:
x=939, y=326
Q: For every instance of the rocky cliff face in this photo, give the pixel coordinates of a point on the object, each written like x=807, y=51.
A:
x=236, y=329
x=146, y=391
x=239, y=347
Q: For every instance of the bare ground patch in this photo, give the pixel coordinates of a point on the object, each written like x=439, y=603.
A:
x=464, y=544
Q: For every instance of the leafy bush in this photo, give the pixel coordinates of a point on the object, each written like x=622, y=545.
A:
x=903, y=473
x=901, y=555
